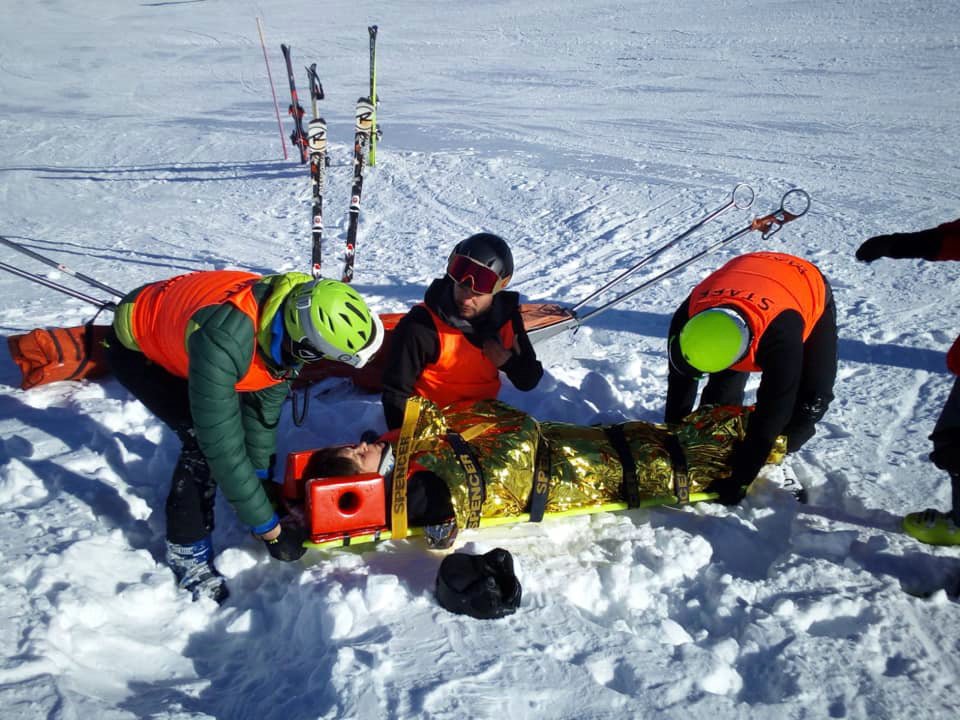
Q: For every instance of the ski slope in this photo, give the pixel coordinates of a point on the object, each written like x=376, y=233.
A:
x=138, y=141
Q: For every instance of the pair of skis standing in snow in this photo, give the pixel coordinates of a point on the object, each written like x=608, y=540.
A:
x=312, y=146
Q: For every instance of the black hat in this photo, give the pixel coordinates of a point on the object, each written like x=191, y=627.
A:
x=482, y=586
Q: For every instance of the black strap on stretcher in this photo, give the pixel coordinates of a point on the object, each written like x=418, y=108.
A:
x=476, y=486
x=629, y=490
x=541, y=481
x=681, y=480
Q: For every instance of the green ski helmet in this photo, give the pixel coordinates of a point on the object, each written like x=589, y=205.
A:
x=714, y=339
x=328, y=319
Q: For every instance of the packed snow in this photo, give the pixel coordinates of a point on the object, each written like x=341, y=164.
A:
x=139, y=141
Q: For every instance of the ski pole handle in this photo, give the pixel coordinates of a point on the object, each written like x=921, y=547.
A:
x=799, y=202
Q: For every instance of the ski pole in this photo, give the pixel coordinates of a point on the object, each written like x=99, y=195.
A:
x=59, y=266
x=768, y=225
x=745, y=200
x=276, y=107
x=102, y=304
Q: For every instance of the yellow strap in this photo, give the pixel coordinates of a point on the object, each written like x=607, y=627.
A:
x=398, y=504
x=476, y=431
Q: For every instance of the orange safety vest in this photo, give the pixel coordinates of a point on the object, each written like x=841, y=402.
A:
x=162, y=312
x=761, y=286
x=462, y=371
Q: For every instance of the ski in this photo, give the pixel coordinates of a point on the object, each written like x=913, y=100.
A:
x=298, y=137
x=374, y=129
x=317, y=146
x=361, y=141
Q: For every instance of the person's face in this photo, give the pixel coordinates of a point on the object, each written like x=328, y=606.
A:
x=367, y=456
x=471, y=304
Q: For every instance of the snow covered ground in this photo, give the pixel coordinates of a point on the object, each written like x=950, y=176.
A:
x=138, y=140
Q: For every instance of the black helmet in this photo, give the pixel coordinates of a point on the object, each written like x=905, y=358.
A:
x=488, y=250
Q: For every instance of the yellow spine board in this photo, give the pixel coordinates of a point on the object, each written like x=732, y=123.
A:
x=667, y=500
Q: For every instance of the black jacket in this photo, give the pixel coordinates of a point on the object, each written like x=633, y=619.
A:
x=780, y=357
x=416, y=344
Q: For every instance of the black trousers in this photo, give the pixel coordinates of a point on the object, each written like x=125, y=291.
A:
x=190, y=502
x=816, y=381
x=946, y=434
x=946, y=445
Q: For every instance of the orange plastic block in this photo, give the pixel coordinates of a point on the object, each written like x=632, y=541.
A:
x=344, y=506
x=334, y=506
x=296, y=475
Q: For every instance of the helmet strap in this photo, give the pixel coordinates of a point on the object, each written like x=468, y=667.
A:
x=280, y=344
x=276, y=337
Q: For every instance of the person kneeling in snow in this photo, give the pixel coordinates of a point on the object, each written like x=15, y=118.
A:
x=763, y=312
x=485, y=460
x=939, y=243
x=211, y=354
x=453, y=345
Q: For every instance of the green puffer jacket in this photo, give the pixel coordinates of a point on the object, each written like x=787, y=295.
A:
x=237, y=431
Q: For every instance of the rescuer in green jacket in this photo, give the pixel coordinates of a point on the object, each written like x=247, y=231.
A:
x=212, y=354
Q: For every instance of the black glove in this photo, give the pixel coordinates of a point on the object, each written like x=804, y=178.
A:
x=288, y=545
x=729, y=491
x=922, y=244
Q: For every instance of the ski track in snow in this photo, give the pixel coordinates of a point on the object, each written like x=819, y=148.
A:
x=139, y=142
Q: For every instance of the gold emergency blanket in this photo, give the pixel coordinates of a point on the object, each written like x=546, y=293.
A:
x=581, y=462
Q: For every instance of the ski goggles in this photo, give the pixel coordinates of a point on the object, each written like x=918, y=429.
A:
x=467, y=271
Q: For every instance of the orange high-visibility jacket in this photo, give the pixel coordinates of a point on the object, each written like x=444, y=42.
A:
x=161, y=319
x=462, y=371
x=761, y=286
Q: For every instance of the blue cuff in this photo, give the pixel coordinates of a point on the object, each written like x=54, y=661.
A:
x=267, y=526
x=263, y=474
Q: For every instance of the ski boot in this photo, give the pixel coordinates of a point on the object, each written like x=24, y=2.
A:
x=933, y=527
x=193, y=567
x=442, y=535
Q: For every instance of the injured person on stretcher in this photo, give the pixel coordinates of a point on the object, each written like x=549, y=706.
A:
x=476, y=462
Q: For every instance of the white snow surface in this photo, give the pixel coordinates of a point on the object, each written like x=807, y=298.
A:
x=138, y=141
